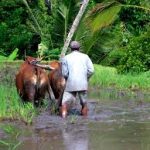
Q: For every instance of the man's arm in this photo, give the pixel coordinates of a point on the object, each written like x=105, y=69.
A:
x=65, y=71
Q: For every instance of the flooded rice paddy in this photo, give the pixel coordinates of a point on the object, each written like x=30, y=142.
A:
x=117, y=120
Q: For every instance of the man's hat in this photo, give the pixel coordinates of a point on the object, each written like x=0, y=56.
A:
x=74, y=45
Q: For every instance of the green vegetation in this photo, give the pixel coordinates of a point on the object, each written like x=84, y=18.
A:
x=108, y=77
x=11, y=57
x=11, y=107
x=136, y=56
x=112, y=33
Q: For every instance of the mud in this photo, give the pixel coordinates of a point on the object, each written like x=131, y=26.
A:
x=111, y=125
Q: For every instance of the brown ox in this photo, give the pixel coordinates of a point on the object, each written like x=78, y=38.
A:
x=32, y=82
x=57, y=81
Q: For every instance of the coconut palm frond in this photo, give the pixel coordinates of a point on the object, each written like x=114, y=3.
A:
x=102, y=15
x=33, y=17
x=74, y=26
x=63, y=11
x=64, y=15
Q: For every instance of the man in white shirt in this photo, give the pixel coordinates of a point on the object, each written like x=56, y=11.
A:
x=77, y=68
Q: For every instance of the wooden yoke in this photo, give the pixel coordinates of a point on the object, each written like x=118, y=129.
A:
x=47, y=67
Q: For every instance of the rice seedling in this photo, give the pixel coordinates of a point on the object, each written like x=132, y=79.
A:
x=73, y=119
x=12, y=108
x=108, y=77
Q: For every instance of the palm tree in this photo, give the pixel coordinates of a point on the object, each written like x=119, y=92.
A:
x=63, y=14
x=103, y=14
x=92, y=28
x=74, y=26
x=99, y=17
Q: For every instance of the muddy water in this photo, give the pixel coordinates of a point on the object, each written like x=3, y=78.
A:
x=117, y=121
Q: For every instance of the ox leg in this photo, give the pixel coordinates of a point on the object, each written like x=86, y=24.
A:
x=37, y=102
x=39, y=96
x=51, y=101
x=59, y=103
x=60, y=98
x=30, y=92
x=38, y=99
x=31, y=97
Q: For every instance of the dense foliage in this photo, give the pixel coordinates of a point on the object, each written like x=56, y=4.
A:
x=126, y=35
x=137, y=55
x=112, y=33
x=14, y=32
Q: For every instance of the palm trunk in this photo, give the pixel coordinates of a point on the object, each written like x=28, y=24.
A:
x=74, y=26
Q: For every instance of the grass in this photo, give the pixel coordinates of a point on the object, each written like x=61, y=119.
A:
x=108, y=77
x=11, y=108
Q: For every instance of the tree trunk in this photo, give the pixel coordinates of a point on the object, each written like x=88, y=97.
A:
x=74, y=26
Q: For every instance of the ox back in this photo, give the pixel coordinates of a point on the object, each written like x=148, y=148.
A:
x=32, y=83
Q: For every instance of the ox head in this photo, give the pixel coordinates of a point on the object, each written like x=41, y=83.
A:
x=55, y=64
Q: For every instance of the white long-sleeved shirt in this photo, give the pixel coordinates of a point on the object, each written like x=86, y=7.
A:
x=77, y=68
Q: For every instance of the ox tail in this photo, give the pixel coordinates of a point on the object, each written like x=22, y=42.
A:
x=37, y=72
x=37, y=101
x=51, y=101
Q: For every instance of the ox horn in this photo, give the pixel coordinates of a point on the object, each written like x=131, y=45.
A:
x=35, y=61
x=40, y=58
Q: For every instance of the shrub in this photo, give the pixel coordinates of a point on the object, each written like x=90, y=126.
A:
x=137, y=55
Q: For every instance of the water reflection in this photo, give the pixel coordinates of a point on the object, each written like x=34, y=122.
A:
x=130, y=136
x=116, y=94
x=43, y=139
x=72, y=137
x=76, y=138
x=91, y=136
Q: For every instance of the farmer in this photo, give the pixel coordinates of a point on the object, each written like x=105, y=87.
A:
x=77, y=68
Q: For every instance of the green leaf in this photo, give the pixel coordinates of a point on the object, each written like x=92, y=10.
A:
x=2, y=58
x=13, y=55
x=102, y=15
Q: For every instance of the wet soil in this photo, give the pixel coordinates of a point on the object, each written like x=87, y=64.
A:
x=111, y=125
